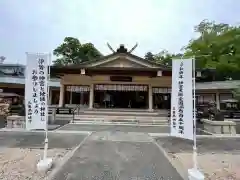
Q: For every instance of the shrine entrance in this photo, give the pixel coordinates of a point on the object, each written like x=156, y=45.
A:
x=121, y=96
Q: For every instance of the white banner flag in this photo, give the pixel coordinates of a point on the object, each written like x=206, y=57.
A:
x=182, y=99
x=36, y=95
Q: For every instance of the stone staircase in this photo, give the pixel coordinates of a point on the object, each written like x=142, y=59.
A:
x=121, y=116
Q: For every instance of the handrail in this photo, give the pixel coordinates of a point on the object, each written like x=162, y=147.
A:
x=77, y=108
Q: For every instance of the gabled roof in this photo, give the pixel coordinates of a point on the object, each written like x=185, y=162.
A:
x=126, y=55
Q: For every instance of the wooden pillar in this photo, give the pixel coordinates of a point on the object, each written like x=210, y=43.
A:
x=150, y=98
x=91, y=96
x=61, y=97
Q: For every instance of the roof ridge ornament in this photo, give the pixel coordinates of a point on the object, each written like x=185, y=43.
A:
x=122, y=49
x=110, y=47
x=133, y=48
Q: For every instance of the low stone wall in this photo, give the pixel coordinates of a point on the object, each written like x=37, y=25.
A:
x=219, y=127
x=237, y=121
x=16, y=121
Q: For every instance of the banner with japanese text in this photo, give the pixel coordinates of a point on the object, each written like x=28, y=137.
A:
x=182, y=99
x=36, y=95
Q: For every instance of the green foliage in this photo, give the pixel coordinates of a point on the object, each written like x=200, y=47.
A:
x=163, y=57
x=218, y=47
x=71, y=51
x=149, y=56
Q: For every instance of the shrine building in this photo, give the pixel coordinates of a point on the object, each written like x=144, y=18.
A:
x=124, y=80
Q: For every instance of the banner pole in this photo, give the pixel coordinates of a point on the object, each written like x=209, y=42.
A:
x=48, y=92
x=194, y=118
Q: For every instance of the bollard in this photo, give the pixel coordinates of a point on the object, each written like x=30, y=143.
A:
x=194, y=174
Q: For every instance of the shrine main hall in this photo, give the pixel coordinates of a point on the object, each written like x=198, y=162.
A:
x=124, y=80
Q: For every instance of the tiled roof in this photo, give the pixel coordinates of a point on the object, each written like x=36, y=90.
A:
x=218, y=85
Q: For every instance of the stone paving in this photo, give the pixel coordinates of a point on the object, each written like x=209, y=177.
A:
x=118, y=156
x=115, y=154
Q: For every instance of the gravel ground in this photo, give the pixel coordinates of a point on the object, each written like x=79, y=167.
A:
x=215, y=166
x=218, y=158
x=21, y=151
x=20, y=163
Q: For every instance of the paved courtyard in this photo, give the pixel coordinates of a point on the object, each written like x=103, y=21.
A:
x=118, y=156
x=114, y=155
x=104, y=155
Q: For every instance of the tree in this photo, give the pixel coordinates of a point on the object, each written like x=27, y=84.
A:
x=71, y=51
x=2, y=58
x=149, y=56
x=218, y=47
x=163, y=57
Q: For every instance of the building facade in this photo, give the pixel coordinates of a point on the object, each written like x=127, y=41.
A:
x=119, y=80
x=123, y=80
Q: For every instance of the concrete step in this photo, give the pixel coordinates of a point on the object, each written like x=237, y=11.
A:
x=120, y=114
x=114, y=112
x=118, y=117
x=64, y=117
x=122, y=122
x=135, y=119
x=125, y=110
x=86, y=116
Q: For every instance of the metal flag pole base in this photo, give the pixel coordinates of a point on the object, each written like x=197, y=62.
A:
x=46, y=163
x=194, y=173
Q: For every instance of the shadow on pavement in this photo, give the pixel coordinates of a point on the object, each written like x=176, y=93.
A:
x=204, y=145
x=36, y=140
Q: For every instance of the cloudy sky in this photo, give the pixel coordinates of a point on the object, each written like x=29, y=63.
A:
x=40, y=26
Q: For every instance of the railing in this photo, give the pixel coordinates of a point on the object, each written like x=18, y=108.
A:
x=61, y=111
x=76, y=110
